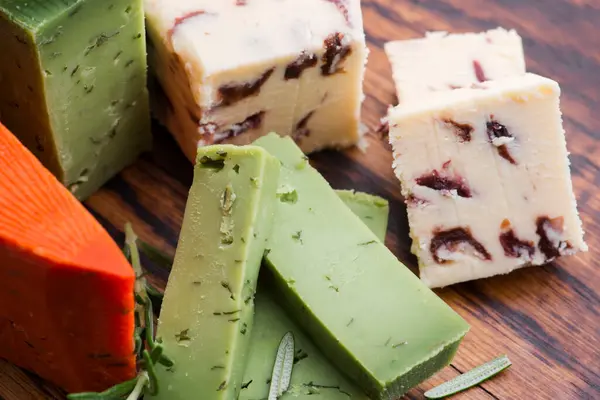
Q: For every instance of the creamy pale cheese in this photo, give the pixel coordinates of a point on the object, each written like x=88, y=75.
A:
x=485, y=174
x=442, y=61
x=231, y=71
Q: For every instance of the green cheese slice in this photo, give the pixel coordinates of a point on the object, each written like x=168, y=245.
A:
x=367, y=313
x=206, y=317
x=372, y=210
x=313, y=377
x=73, y=85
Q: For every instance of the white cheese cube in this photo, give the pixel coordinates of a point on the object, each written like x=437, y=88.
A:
x=442, y=61
x=231, y=71
x=485, y=174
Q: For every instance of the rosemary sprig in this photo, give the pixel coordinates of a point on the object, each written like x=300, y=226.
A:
x=155, y=255
x=148, y=350
x=282, y=370
x=469, y=379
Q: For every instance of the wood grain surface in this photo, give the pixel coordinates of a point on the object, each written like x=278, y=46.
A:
x=547, y=319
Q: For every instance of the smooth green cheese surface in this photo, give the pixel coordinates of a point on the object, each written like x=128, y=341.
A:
x=206, y=317
x=368, y=314
x=372, y=210
x=313, y=377
x=73, y=85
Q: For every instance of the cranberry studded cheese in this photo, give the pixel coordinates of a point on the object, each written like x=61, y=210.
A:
x=233, y=70
x=485, y=174
x=442, y=61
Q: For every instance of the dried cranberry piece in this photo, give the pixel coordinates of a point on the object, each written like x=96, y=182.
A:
x=435, y=181
x=463, y=131
x=383, y=130
x=415, y=201
x=295, y=68
x=479, y=74
x=234, y=92
x=549, y=230
x=241, y=2
x=335, y=54
x=496, y=130
x=343, y=8
x=181, y=20
x=504, y=153
x=513, y=246
x=301, y=130
x=207, y=129
x=451, y=240
x=252, y=122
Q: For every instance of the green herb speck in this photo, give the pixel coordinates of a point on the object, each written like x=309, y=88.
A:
x=183, y=336
x=287, y=195
x=236, y=168
x=298, y=236
x=367, y=243
x=207, y=162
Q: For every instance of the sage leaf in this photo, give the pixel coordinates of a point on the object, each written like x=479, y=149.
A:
x=282, y=370
x=469, y=379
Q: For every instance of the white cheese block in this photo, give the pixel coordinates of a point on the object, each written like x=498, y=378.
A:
x=231, y=71
x=485, y=174
x=442, y=61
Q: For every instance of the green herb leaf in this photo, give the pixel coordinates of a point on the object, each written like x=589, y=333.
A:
x=297, y=236
x=469, y=379
x=282, y=370
x=287, y=195
x=210, y=163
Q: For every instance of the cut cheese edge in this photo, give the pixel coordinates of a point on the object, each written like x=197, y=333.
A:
x=66, y=303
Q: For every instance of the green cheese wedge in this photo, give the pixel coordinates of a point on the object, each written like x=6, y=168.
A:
x=313, y=376
x=73, y=85
x=206, y=318
x=368, y=314
x=372, y=210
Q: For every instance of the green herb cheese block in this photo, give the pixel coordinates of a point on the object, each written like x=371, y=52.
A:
x=368, y=314
x=206, y=318
x=372, y=210
x=73, y=85
x=313, y=377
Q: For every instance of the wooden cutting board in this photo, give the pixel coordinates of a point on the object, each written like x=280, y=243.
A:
x=547, y=319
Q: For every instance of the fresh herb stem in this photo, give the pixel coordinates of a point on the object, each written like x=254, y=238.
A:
x=147, y=348
x=152, y=378
x=141, y=382
x=155, y=255
x=117, y=391
x=154, y=293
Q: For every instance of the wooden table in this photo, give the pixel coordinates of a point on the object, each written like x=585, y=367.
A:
x=547, y=319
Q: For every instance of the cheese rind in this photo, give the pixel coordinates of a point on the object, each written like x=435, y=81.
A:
x=313, y=375
x=374, y=320
x=231, y=73
x=494, y=200
x=73, y=87
x=207, y=313
x=467, y=59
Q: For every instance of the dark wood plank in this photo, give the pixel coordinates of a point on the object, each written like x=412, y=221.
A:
x=545, y=318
